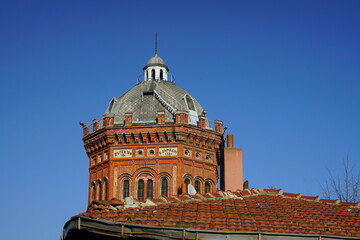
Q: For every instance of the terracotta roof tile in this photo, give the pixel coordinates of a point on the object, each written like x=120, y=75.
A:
x=256, y=210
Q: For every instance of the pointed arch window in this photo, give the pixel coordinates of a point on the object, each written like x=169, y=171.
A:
x=150, y=187
x=141, y=190
x=198, y=186
x=164, y=187
x=207, y=187
x=126, y=189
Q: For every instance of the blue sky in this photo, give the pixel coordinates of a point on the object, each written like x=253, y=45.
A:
x=282, y=75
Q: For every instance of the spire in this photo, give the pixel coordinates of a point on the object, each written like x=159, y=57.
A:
x=156, y=43
x=156, y=68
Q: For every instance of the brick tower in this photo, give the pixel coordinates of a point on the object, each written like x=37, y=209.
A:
x=151, y=141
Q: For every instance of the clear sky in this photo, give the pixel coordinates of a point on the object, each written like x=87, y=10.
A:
x=282, y=75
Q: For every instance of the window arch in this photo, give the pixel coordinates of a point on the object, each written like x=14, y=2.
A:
x=187, y=181
x=207, y=187
x=150, y=189
x=153, y=74
x=104, y=190
x=190, y=103
x=113, y=101
x=126, y=188
x=98, y=190
x=198, y=186
x=92, y=192
x=164, y=187
x=140, y=192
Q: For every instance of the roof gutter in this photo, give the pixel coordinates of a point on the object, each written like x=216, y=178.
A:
x=80, y=227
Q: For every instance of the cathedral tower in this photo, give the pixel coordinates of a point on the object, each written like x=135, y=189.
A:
x=151, y=141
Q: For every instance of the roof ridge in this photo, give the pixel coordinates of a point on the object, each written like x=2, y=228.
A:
x=129, y=202
x=280, y=192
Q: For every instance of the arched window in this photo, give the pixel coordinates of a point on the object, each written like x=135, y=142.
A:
x=141, y=190
x=92, y=192
x=161, y=75
x=187, y=181
x=98, y=191
x=153, y=74
x=104, y=191
x=197, y=186
x=207, y=187
x=164, y=187
x=126, y=189
x=150, y=188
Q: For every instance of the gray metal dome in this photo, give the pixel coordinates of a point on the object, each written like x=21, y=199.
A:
x=147, y=98
x=156, y=61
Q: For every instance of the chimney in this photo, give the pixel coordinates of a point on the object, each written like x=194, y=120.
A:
x=161, y=117
x=218, y=126
x=232, y=177
x=95, y=124
x=128, y=119
x=85, y=130
x=202, y=122
x=108, y=120
x=181, y=117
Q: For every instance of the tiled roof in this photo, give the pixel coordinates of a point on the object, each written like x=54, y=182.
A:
x=257, y=210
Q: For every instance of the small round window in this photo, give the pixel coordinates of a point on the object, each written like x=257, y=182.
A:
x=151, y=152
x=198, y=155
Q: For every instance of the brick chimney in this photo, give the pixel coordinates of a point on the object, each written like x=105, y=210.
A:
x=161, y=117
x=128, y=119
x=232, y=178
x=108, y=120
x=95, y=124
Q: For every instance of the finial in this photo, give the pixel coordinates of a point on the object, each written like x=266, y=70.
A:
x=156, y=40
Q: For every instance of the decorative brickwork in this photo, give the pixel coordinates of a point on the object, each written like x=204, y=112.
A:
x=131, y=150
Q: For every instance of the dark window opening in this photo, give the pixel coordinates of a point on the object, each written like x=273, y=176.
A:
x=197, y=186
x=187, y=181
x=164, y=187
x=153, y=74
x=141, y=190
x=150, y=189
x=126, y=189
x=207, y=187
x=161, y=75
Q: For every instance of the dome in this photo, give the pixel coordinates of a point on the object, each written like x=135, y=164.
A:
x=156, y=61
x=147, y=98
